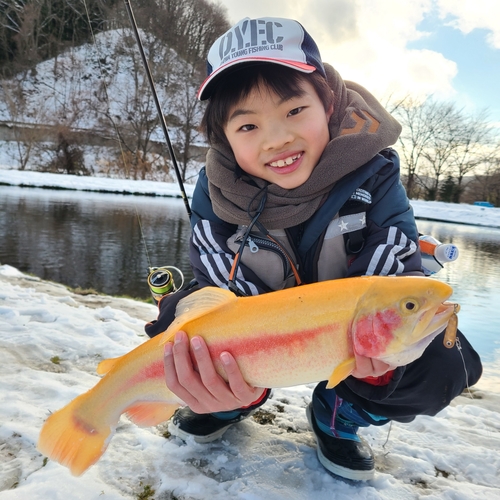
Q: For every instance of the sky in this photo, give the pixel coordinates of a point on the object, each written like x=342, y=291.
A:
x=447, y=48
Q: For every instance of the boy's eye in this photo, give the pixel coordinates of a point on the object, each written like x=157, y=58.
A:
x=247, y=127
x=296, y=111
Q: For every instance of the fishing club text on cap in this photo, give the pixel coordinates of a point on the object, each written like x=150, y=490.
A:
x=268, y=40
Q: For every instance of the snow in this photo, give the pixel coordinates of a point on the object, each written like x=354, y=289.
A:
x=51, y=341
x=24, y=178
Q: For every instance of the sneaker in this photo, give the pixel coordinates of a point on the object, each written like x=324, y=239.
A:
x=208, y=427
x=347, y=457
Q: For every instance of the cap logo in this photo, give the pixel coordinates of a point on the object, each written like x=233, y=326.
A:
x=264, y=40
x=250, y=37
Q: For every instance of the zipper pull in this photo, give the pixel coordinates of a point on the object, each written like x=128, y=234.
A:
x=253, y=247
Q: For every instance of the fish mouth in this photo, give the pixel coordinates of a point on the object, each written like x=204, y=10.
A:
x=442, y=316
x=436, y=326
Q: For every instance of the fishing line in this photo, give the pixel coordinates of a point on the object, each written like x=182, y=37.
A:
x=122, y=152
x=160, y=280
x=459, y=347
x=105, y=86
x=117, y=132
x=388, y=434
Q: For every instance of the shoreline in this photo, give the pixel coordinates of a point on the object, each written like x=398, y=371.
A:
x=434, y=211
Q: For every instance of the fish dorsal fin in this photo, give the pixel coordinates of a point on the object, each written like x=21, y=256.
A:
x=195, y=305
x=341, y=372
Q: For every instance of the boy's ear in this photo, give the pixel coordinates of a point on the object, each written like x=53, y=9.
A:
x=329, y=113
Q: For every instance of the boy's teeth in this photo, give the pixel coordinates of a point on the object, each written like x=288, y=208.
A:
x=282, y=163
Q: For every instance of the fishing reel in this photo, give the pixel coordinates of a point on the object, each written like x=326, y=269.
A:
x=161, y=281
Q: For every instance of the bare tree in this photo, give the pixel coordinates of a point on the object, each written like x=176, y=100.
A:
x=129, y=114
x=440, y=140
x=419, y=127
x=441, y=145
x=26, y=134
x=478, y=145
x=486, y=185
x=35, y=30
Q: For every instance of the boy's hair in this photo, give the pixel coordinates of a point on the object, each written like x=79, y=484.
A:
x=237, y=85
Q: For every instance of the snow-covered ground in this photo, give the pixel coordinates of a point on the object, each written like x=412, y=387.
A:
x=51, y=341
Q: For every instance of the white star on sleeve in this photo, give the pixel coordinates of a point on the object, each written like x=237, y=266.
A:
x=342, y=225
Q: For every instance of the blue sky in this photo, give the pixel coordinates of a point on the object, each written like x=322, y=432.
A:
x=448, y=48
x=478, y=63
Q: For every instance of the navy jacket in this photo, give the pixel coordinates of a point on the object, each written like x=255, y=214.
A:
x=390, y=234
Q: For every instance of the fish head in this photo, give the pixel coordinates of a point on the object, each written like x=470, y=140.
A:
x=399, y=317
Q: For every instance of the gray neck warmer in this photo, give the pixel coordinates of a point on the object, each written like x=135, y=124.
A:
x=359, y=128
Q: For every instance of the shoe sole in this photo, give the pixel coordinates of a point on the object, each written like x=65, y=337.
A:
x=338, y=470
x=175, y=431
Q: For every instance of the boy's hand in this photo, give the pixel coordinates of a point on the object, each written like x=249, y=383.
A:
x=190, y=374
x=369, y=367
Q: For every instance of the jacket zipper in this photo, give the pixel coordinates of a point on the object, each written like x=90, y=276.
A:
x=255, y=244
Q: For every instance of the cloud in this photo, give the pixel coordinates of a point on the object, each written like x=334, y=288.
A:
x=467, y=15
x=366, y=41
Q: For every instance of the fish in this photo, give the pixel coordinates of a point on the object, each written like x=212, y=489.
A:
x=285, y=338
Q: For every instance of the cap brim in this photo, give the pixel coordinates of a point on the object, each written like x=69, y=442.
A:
x=206, y=87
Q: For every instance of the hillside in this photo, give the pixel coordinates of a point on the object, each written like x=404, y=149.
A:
x=91, y=94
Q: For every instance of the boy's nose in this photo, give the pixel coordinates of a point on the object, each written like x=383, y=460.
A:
x=276, y=138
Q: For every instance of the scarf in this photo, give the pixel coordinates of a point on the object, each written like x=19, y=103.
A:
x=359, y=128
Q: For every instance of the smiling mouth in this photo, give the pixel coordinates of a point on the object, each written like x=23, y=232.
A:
x=285, y=162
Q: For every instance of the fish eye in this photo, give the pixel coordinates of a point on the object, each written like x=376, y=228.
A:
x=409, y=305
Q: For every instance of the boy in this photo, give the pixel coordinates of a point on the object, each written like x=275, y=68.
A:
x=300, y=185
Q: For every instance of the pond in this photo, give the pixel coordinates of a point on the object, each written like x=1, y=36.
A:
x=106, y=242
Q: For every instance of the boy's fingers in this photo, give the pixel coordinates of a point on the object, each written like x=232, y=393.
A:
x=171, y=378
x=200, y=386
x=244, y=392
x=209, y=376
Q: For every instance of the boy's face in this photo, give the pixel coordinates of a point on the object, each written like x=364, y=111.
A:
x=279, y=141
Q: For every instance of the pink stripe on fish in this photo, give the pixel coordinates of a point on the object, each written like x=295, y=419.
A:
x=266, y=342
x=152, y=371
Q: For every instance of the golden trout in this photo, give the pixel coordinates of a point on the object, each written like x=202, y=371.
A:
x=279, y=339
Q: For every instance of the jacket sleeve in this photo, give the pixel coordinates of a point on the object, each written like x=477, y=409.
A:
x=390, y=243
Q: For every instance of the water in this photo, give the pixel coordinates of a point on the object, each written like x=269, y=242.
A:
x=92, y=240
x=474, y=276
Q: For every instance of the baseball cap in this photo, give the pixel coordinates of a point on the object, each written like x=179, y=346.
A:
x=263, y=40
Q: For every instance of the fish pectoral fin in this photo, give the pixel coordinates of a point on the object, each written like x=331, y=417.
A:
x=195, y=305
x=106, y=365
x=147, y=414
x=341, y=372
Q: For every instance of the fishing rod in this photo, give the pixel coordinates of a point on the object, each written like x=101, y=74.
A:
x=158, y=107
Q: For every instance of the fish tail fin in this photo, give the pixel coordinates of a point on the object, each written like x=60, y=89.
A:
x=150, y=413
x=71, y=441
